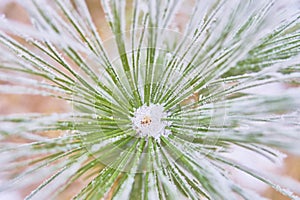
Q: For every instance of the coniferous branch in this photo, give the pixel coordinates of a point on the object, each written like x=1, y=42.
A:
x=158, y=107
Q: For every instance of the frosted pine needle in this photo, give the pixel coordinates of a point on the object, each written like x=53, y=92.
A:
x=148, y=121
x=159, y=107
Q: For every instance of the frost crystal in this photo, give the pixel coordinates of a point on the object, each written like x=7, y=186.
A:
x=148, y=121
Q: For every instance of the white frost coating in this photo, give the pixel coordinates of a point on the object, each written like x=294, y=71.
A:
x=57, y=181
x=147, y=121
x=10, y=195
x=124, y=191
x=101, y=144
x=152, y=192
x=170, y=187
